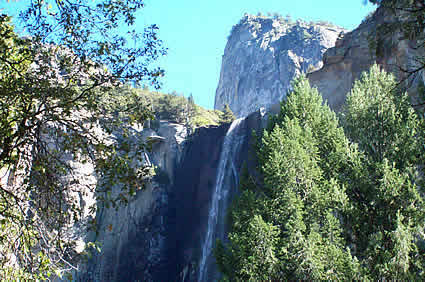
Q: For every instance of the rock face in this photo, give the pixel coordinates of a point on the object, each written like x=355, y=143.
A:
x=263, y=55
x=189, y=202
x=193, y=191
x=357, y=50
x=133, y=237
x=158, y=235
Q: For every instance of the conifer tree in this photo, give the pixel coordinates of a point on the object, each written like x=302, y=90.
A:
x=191, y=109
x=387, y=210
x=227, y=116
x=381, y=120
x=300, y=198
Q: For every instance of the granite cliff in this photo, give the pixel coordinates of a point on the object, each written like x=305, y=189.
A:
x=133, y=237
x=357, y=50
x=263, y=55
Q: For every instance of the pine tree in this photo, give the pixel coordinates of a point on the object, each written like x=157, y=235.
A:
x=300, y=197
x=227, y=116
x=381, y=120
x=387, y=209
x=191, y=109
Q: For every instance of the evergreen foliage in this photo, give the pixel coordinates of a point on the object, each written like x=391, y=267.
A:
x=382, y=121
x=227, y=116
x=327, y=207
x=172, y=107
x=386, y=196
x=122, y=103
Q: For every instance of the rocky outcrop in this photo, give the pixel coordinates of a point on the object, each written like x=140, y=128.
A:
x=357, y=50
x=263, y=55
x=133, y=237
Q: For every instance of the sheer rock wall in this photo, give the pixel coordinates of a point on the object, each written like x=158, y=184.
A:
x=263, y=55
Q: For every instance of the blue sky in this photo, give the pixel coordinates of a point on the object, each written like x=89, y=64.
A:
x=195, y=33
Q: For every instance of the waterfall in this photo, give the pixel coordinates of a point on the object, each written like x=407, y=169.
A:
x=230, y=149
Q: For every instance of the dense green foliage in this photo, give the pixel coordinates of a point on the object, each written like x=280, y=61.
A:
x=381, y=121
x=328, y=207
x=388, y=210
x=172, y=107
x=51, y=86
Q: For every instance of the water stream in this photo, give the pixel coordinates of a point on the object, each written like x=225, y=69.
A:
x=229, y=151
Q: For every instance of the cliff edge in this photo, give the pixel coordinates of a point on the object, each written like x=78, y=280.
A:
x=263, y=55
